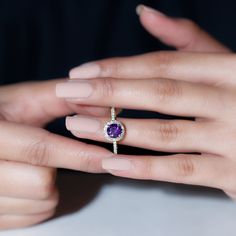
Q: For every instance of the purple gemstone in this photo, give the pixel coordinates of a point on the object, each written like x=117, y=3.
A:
x=114, y=130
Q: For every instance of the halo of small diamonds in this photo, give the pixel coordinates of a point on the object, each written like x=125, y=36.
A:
x=114, y=130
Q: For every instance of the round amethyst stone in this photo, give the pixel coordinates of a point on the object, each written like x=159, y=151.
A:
x=114, y=130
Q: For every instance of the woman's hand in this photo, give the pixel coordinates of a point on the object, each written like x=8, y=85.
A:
x=29, y=155
x=194, y=84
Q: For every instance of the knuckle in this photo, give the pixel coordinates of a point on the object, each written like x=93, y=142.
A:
x=37, y=152
x=146, y=168
x=46, y=183
x=165, y=89
x=107, y=88
x=88, y=163
x=165, y=62
x=168, y=131
x=184, y=167
x=110, y=67
x=87, y=160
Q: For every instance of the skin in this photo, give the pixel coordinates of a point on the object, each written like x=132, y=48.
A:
x=29, y=155
x=198, y=80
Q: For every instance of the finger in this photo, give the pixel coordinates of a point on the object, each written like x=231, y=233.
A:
x=181, y=168
x=161, y=95
x=91, y=110
x=206, y=68
x=21, y=221
x=154, y=134
x=20, y=206
x=41, y=100
x=19, y=180
x=182, y=34
x=39, y=147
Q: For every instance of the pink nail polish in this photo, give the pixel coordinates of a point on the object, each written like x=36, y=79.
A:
x=83, y=124
x=86, y=71
x=75, y=89
x=116, y=164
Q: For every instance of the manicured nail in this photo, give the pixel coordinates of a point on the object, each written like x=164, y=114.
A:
x=141, y=8
x=75, y=89
x=83, y=124
x=86, y=71
x=116, y=164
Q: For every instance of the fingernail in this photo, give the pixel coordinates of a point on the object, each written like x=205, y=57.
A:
x=141, y=8
x=86, y=71
x=78, y=89
x=116, y=164
x=82, y=124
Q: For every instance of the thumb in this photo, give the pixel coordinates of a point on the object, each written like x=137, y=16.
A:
x=183, y=34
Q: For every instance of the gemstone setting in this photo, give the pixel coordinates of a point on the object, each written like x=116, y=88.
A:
x=114, y=130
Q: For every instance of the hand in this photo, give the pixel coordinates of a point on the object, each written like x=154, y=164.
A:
x=200, y=85
x=29, y=154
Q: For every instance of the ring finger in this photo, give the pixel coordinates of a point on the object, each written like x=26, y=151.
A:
x=155, y=134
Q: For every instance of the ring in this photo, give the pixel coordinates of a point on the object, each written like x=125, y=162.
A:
x=114, y=130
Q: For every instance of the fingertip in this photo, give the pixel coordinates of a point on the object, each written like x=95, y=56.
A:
x=68, y=121
x=140, y=9
x=167, y=29
x=154, y=21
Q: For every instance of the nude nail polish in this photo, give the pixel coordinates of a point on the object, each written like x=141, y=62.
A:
x=83, y=124
x=85, y=71
x=77, y=89
x=116, y=164
x=140, y=8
